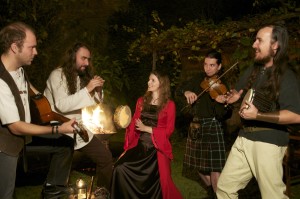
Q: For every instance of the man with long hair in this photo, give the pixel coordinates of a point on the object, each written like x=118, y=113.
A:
x=18, y=49
x=71, y=87
x=262, y=141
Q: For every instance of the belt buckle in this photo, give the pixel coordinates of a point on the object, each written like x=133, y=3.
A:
x=249, y=129
x=194, y=125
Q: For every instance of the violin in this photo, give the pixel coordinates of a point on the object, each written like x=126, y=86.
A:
x=214, y=86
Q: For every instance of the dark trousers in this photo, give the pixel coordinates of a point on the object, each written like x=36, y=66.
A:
x=61, y=150
x=99, y=154
x=8, y=166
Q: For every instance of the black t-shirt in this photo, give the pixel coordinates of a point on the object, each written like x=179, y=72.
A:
x=289, y=99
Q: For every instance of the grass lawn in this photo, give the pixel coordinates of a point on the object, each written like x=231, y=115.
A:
x=29, y=185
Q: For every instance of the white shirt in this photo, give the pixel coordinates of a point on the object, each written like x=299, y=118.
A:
x=67, y=105
x=8, y=109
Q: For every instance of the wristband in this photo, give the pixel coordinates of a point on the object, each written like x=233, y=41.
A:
x=56, y=129
x=272, y=117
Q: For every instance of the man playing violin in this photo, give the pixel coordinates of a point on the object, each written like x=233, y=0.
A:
x=71, y=87
x=262, y=141
x=205, y=147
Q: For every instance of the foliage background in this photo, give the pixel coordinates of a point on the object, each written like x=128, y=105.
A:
x=129, y=38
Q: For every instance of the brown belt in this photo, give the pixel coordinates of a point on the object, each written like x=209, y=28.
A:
x=253, y=129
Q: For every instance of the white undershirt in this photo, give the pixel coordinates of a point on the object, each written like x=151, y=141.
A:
x=8, y=108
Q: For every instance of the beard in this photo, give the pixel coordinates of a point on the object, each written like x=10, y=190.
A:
x=262, y=60
x=82, y=73
x=84, y=76
x=265, y=59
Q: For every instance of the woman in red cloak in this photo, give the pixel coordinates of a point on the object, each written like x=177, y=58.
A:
x=144, y=169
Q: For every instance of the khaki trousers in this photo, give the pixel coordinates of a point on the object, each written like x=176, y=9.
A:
x=248, y=159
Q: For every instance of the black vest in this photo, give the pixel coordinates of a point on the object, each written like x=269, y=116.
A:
x=10, y=143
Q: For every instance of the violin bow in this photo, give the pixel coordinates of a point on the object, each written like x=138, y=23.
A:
x=231, y=67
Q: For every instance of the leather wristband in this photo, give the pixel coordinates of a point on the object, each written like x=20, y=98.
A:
x=56, y=129
x=272, y=117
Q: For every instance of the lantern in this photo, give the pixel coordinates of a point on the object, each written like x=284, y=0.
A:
x=81, y=189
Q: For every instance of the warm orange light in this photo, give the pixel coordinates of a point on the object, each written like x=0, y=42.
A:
x=98, y=119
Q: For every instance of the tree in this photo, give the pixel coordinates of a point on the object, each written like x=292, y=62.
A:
x=60, y=23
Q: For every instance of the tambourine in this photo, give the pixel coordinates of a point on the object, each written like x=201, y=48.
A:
x=122, y=116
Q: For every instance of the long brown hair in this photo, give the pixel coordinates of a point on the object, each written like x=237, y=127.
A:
x=280, y=63
x=69, y=68
x=164, y=91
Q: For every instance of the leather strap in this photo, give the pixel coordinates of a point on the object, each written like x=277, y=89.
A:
x=253, y=129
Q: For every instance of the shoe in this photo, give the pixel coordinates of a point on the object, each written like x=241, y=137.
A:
x=101, y=193
x=210, y=193
x=56, y=191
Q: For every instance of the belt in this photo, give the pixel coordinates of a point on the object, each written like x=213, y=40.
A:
x=253, y=129
x=202, y=119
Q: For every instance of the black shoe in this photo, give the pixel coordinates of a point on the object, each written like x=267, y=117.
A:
x=210, y=193
x=55, y=191
x=101, y=193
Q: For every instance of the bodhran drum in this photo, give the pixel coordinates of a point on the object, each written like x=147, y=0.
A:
x=259, y=100
x=122, y=116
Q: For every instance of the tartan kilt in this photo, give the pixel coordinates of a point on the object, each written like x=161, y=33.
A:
x=205, y=148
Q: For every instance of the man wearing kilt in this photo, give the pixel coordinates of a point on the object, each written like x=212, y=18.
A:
x=205, y=147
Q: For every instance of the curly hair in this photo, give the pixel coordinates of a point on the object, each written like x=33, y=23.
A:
x=13, y=33
x=164, y=91
x=69, y=68
x=280, y=63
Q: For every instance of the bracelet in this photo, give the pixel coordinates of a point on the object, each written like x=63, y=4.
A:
x=56, y=129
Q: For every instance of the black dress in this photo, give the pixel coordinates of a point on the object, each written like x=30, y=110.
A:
x=135, y=174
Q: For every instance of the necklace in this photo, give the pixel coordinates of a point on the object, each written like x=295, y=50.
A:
x=154, y=101
x=263, y=70
x=19, y=78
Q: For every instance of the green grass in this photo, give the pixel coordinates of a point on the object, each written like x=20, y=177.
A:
x=190, y=189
